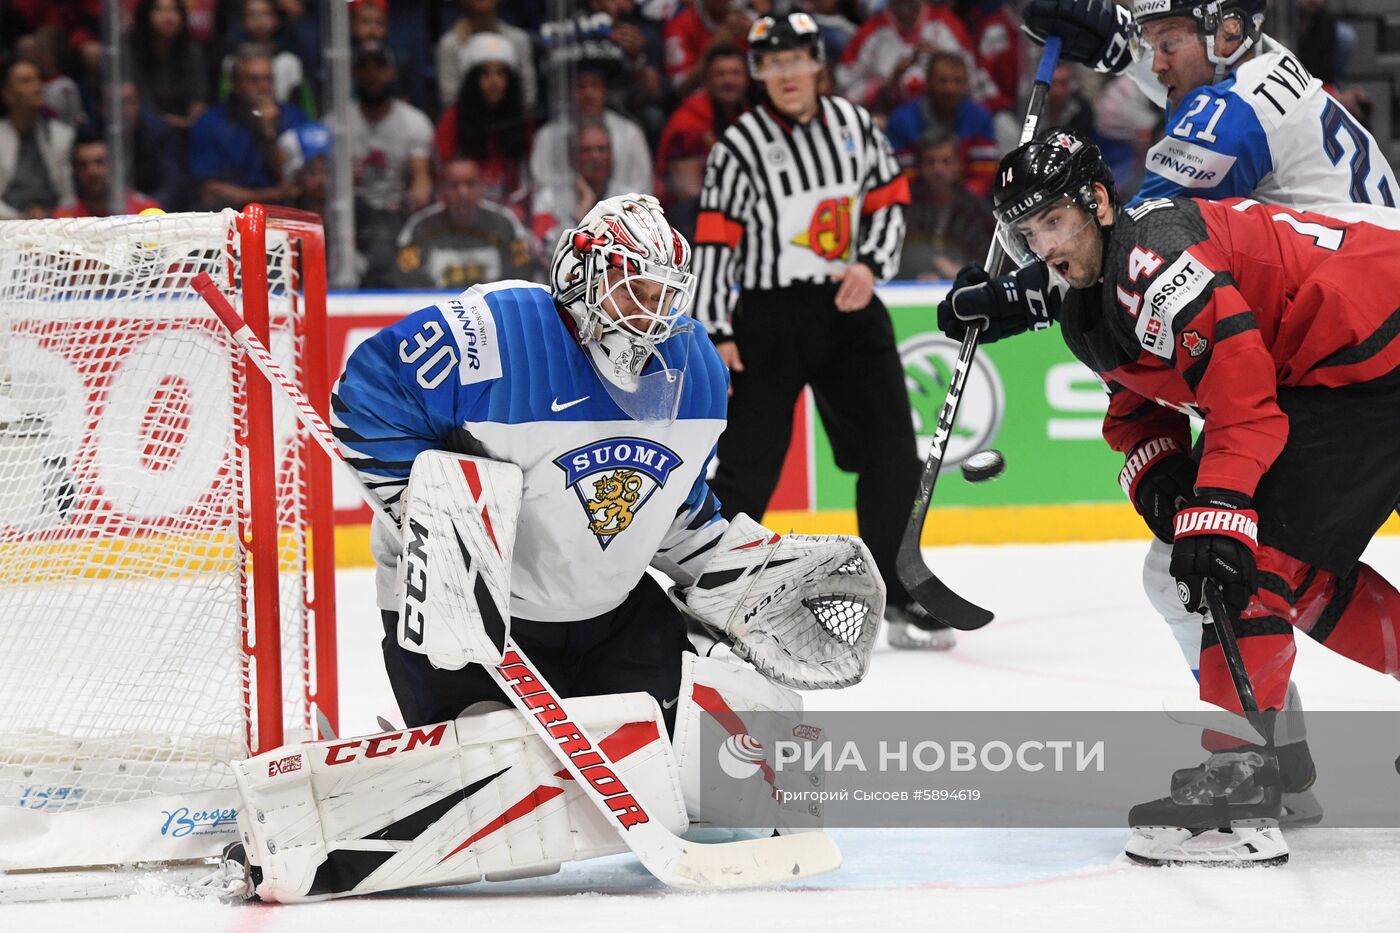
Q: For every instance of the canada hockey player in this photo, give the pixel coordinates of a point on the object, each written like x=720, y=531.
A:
x=1274, y=327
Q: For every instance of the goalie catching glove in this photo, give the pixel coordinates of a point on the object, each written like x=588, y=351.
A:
x=804, y=610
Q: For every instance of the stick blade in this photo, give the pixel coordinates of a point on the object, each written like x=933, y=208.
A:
x=1193, y=711
x=933, y=595
x=752, y=863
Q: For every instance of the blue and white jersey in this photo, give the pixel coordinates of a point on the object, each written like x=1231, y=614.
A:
x=1269, y=131
x=497, y=373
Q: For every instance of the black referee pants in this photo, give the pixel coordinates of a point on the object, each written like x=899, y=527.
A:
x=793, y=337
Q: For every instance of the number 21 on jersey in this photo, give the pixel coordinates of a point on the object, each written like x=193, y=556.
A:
x=1193, y=117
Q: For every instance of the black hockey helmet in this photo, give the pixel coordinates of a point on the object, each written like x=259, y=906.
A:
x=1209, y=15
x=774, y=34
x=1055, y=165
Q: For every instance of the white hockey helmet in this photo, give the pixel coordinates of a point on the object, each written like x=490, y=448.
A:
x=623, y=274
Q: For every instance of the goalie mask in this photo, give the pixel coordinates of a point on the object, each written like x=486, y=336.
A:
x=623, y=274
x=1215, y=20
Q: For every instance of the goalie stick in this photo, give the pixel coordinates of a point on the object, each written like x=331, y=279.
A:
x=928, y=591
x=673, y=860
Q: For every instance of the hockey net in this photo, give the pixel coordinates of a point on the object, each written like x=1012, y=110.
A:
x=160, y=519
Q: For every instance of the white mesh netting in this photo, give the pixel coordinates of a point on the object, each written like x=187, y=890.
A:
x=123, y=505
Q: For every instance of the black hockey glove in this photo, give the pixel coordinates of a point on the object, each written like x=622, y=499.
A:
x=1216, y=536
x=1159, y=478
x=1095, y=32
x=1002, y=307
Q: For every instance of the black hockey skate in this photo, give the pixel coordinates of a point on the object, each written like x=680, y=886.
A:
x=911, y=628
x=1224, y=812
x=1297, y=773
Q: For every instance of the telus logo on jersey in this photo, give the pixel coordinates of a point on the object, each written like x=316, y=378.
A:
x=614, y=478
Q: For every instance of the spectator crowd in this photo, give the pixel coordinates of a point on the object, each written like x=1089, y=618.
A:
x=459, y=173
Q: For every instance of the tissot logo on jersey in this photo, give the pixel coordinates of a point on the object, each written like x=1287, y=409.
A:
x=614, y=478
x=1172, y=290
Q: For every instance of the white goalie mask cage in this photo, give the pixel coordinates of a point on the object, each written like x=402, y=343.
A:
x=623, y=274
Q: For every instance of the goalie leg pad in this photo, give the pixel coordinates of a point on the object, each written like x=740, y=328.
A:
x=449, y=803
x=458, y=517
x=727, y=775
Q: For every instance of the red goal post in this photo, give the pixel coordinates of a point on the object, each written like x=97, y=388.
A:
x=167, y=598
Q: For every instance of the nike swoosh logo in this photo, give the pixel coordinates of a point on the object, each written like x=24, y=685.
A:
x=667, y=704
x=555, y=406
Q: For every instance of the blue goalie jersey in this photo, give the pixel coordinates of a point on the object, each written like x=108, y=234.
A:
x=1269, y=131
x=497, y=373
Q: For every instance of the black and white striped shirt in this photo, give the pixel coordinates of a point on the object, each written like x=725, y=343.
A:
x=785, y=203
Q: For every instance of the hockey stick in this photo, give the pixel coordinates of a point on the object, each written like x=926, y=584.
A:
x=673, y=860
x=928, y=591
x=1234, y=661
x=1253, y=726
x=1189, y=709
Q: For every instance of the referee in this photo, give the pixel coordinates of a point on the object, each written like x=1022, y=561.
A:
x=801, y=209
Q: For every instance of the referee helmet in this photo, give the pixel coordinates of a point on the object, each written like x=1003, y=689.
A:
x=777, y=34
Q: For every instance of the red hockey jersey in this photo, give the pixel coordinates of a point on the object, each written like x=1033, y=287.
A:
x=1207, y=307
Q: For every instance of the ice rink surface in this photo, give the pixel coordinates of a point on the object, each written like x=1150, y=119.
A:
x=1073, y=632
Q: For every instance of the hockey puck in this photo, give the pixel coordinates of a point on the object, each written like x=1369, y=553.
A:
x=983, y=465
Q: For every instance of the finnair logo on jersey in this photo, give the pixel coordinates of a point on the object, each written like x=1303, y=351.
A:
x=1188, y=164
x=614, y=478
x=474, y=331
